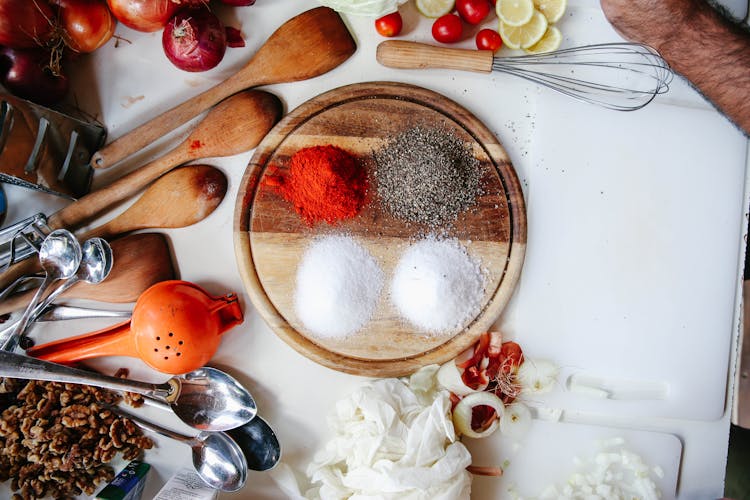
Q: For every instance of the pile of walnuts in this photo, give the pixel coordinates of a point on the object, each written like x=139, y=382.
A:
x=55, y=440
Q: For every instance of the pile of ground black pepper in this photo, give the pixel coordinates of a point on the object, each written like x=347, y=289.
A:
x=426, y=175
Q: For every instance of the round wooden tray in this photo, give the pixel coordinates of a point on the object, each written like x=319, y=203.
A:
x=270, y=237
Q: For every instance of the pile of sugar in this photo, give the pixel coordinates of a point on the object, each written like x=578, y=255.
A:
x=338, y=286
x=437, y=286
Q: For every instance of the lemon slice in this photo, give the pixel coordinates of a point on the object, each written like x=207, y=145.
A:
x=523, y=37
x=549, y=42
x=435, y=8
x=514, y=12
x=552, y=9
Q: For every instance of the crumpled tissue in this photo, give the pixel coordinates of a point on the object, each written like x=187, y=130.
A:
x=394, y=439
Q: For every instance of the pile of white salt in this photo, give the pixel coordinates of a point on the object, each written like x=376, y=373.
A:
x=437, y=286
x=338, y=286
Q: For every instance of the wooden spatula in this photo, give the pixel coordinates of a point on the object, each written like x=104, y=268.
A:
x=306, y=46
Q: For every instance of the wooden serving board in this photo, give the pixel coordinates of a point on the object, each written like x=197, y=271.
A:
x=270, y=238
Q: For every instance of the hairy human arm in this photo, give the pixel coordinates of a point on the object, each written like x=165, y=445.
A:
x=699, y=43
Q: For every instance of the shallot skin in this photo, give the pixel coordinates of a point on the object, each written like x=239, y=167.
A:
x=194, y=40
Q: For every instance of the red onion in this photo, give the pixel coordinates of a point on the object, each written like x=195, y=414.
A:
x=194, y=40
x=25, y=23
x=26, y=74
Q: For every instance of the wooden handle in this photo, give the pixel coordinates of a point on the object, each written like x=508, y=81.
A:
x=412, y=55
x=147, y=133
x=83, y=210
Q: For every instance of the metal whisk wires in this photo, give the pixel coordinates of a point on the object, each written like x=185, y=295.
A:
x=620, y=76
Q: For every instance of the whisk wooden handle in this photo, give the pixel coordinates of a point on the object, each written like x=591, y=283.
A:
x=412, y=55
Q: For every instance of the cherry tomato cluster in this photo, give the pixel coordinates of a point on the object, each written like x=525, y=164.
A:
x=450, y=27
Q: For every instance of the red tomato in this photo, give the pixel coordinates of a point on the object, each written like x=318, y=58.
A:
x=143, y=15
x=488, y=39
x=390, y=24
x=447, y=29
x=473, y=11
x=88, y=24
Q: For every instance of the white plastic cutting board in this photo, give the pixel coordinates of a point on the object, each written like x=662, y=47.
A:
x=635, y=228
x=546, y=456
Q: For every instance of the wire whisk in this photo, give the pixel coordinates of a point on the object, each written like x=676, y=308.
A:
x=619, y=76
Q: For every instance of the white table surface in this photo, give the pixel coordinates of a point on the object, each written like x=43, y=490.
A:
x=126, y=85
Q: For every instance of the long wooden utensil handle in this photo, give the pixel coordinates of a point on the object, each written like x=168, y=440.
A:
x=413, y=55
x=148, y=132
x=81, y=211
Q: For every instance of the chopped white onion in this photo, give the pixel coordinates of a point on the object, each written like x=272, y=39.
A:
x=537, y=376
x=515, y=421
x=449, y=377
x=463, y=410
x=613, y=472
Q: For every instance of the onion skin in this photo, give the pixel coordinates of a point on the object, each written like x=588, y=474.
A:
x=238, y=3
x=194, y=40
x=25, y=23
x=143, y=15
x=25, y=73
x=88, y=24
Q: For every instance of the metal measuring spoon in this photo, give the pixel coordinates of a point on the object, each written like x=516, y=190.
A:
x=60, y=256
x=207, y=399
x=217, y=459
x=258, y=443
x=95, y=266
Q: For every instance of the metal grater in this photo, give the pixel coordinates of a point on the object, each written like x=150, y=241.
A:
x=46, y=150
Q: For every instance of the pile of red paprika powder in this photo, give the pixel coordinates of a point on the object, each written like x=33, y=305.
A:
x=324, y=183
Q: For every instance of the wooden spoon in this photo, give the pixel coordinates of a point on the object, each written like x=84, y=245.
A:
x=140, y=260
x=180, y=198
x=305, y=46
x=236, y=125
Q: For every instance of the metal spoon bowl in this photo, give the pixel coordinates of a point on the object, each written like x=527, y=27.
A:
x=219, y=461
x=212, y=400
x=259, y=444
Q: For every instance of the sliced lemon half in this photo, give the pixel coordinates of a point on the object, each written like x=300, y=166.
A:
x=523, y=37
x=549, y=42
x=553, y=10
x=435, y=8
x=514, y=12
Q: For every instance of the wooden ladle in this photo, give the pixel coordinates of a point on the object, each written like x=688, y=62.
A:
x=140, y=260
x=305, y=46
